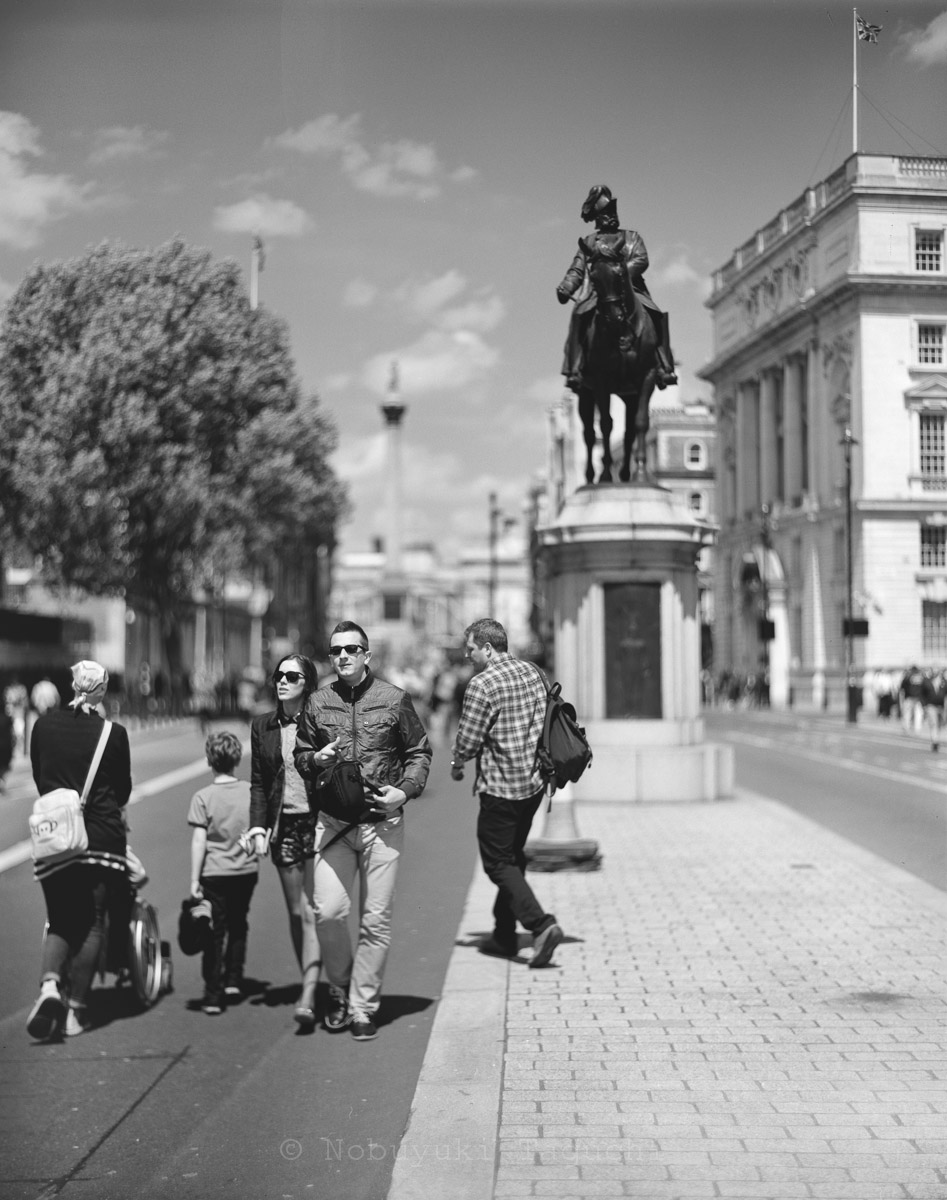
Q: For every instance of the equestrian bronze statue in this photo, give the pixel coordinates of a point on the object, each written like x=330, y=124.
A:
x=618, y=341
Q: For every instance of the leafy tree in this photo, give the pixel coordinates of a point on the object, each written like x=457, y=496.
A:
x=152, y=424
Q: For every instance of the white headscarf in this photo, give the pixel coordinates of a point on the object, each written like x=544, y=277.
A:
x=89, y=681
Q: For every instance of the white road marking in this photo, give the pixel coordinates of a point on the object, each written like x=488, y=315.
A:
x=21, y=852
x=849, y=763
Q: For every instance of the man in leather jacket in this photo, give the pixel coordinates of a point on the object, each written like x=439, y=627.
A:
x=601, y=207
x=363, y=719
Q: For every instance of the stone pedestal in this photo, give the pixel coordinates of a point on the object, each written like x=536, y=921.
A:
x=621, y=592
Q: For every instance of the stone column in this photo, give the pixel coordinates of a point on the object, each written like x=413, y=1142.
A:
x=818, y=470
x=792, y=430
x=768, y=472
x=748, y=453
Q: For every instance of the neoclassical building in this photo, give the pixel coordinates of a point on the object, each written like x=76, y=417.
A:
x=831, y=319
x=681, y=445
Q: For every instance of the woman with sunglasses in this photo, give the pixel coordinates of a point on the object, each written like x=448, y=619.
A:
x=281, y=818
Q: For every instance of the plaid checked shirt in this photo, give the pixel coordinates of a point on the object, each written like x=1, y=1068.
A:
x=502, y=719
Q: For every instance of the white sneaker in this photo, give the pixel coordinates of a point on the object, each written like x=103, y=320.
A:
x=75, y=1024
x=47, y=1014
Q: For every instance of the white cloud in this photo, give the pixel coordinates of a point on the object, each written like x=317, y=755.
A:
x=124, y=142
x=424, y=298
x=452, y=353
x=439, y=361
x=481, y=314
x=325, y=135
x=679, y=272
x=359, y=293
x=928, y=47
x=29, y=200
x=264, y=215
x=428, y=300
x=398, y=168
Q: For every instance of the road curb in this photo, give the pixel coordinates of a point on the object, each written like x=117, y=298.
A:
x=449, y=1145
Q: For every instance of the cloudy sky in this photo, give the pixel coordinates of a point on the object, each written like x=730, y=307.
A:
x=416, y=171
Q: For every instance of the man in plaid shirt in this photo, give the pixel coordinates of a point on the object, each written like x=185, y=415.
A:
x=500, y=725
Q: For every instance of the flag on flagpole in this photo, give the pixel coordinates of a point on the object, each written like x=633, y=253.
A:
x=258, y=251
x=866, y=31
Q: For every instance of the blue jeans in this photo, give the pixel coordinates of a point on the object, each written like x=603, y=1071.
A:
x=502, y=829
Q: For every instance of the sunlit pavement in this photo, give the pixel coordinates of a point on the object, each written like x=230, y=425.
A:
x=746, y=1005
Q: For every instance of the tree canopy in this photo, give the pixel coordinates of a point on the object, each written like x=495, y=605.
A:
x=152, y=423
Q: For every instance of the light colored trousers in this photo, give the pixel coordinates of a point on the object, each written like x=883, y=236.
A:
x=370, y=854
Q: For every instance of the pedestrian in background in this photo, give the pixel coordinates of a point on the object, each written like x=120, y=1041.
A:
x=363, y=719
x=78, y=893
x=910, y=700
x=500, y=726
x=282, y=819
x=16, y=701
x=44, y=695
x=6, y=746
x=932, y=698
x=222, y=871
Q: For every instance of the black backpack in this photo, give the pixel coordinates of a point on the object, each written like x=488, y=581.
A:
x=563, y=752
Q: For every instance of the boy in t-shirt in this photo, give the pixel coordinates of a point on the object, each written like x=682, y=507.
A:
x=222, y=871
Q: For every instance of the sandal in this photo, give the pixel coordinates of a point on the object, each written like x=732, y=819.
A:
x=304, y=1017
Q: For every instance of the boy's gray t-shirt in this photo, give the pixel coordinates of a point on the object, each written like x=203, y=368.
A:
x=223, y=809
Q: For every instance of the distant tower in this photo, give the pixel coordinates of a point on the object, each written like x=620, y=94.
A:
x=393, y=411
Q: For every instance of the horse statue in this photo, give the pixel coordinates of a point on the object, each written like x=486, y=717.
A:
x=618, y=343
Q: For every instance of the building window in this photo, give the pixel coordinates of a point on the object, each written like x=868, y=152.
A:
x=393, y=606
x=934, y=628
x=933, y=458
x=696, y=502
x=934, y=545
x=928, y=249
x=930, y=344
x=694, y=458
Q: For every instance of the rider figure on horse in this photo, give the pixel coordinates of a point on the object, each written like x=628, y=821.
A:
x=597, y=276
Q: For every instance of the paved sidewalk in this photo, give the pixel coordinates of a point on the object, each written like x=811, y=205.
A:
x=746, y=1005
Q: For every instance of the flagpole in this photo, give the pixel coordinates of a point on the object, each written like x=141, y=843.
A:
x=854, y=81
x=254, y=275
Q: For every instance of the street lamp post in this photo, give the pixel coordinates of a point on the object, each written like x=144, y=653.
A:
x=851, y=697
x=764, y=596
x=494, y=533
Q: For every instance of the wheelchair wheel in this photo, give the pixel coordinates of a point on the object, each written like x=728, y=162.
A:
x=144, y=952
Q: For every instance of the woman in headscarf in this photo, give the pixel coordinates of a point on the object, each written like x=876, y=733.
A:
x=78, y=892
x=281, y=816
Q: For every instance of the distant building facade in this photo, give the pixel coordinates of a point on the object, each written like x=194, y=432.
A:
x=830, y=319
x=682, y=457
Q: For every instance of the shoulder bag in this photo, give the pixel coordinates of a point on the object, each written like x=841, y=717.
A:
x=57, y=826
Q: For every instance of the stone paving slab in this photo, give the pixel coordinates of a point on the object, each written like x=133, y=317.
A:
x=745, y=1005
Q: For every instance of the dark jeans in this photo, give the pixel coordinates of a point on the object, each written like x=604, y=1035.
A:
x=502, y=830
x=222, y=964
x=77, y=899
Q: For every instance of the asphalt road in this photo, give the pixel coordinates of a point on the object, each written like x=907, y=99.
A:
x=172, y=1102
x=877, y=786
